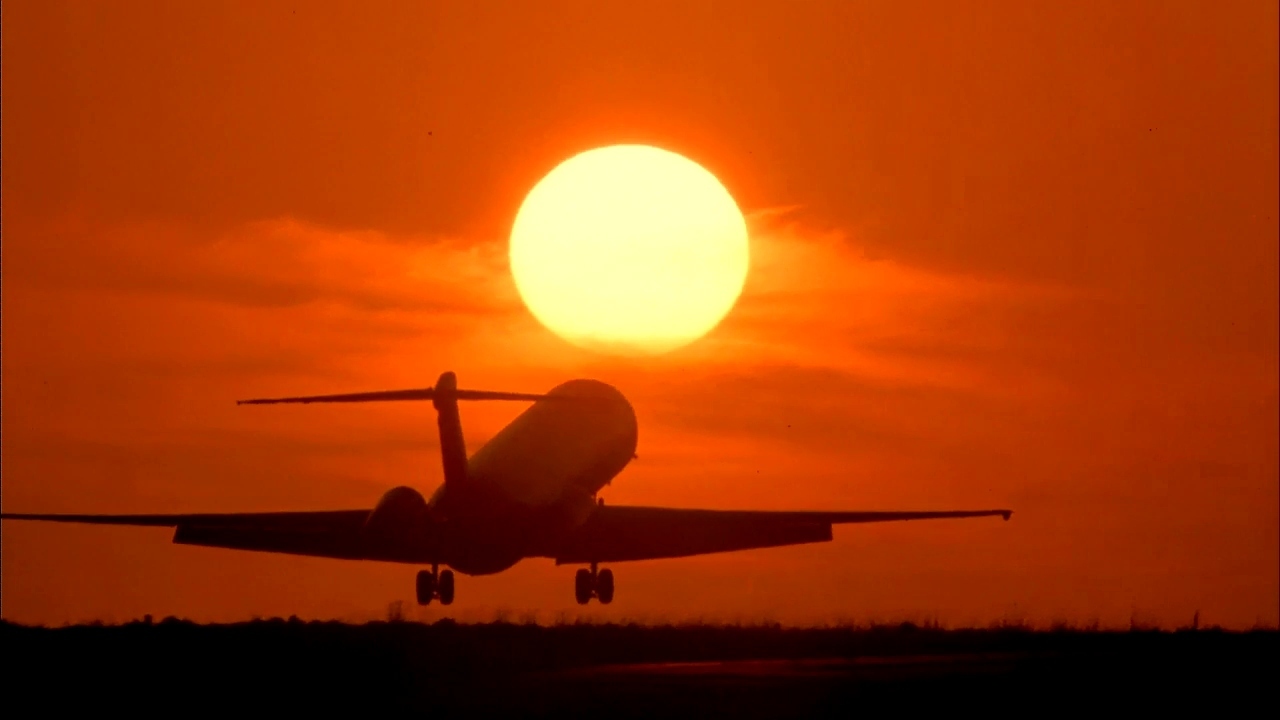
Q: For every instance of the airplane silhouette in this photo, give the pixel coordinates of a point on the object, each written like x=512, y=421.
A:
x=530, y=492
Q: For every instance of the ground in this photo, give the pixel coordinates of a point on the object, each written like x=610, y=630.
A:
x=588, y=670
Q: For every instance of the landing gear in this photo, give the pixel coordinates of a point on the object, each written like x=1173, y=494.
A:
x=434, y=584
x=604, y=586
x=426, y=587
x=444, y=588
x=592, y=583
x=582, y=583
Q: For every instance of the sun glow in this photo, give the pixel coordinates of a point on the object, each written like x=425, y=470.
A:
x=629, y=249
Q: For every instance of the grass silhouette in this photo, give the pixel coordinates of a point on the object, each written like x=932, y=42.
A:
x=621, y=669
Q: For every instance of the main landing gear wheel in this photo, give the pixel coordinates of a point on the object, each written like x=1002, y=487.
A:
x=582, y=582
x=590, y=583
x=435, y=585
x=604, y=586
x=444, y=589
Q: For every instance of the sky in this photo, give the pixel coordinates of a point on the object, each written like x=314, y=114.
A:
x=1003, y=254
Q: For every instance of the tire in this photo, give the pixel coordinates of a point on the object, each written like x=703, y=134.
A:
x=426, y=586
x=604, y=586
x=582, y=586
x=446, y=587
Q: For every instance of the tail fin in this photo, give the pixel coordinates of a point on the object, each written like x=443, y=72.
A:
x=445, y=396
x=453, y=448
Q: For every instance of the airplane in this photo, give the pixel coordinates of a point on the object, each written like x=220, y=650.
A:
x=530, y=492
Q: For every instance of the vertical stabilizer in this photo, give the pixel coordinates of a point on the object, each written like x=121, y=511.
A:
x=453, y=449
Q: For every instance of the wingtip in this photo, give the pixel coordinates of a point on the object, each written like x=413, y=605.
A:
x=1006, y=514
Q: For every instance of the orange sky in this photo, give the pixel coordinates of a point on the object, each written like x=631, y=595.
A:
x=1004, y=255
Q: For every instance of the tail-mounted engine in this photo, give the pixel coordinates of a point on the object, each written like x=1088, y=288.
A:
x=399, y=522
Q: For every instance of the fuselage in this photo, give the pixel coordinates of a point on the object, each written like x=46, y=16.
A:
x=536, y=480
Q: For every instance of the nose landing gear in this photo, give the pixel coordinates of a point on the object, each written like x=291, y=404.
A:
x=435, y=584
x=592, y=583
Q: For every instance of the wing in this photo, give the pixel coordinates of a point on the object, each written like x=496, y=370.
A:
x=330, y=533
x=615, y=534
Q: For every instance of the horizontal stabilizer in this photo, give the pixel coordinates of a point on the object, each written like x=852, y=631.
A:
x=429, y=393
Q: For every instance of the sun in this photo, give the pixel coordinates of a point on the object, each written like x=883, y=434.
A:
x=629, y=249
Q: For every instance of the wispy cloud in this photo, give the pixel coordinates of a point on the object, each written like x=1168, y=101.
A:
x=277, y=263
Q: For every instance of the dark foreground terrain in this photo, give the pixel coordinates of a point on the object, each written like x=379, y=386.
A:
x=610, y=671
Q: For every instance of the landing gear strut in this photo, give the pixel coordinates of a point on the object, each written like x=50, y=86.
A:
x=436, y=584
x=592, y=583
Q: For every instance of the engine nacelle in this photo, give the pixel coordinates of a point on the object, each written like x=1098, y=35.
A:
x=398, y=520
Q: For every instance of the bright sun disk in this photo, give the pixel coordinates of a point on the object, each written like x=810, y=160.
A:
x=629, y=249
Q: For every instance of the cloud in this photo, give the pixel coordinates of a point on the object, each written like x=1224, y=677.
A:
x=276, y=263
x=814, y=300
